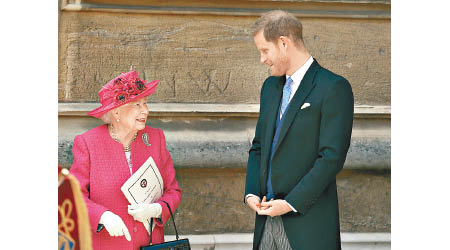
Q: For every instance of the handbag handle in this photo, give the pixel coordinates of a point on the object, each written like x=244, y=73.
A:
x=173, y=220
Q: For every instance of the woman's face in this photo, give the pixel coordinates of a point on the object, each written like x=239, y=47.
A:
x=133, y=115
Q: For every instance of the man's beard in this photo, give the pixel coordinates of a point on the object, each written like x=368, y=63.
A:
x=281, y=66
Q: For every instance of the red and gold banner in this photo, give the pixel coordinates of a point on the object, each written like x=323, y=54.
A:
x=73, y=222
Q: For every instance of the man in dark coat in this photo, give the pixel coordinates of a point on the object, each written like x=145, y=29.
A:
x=301, y=142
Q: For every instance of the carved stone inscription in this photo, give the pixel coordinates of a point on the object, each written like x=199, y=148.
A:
x=200, y=60
x=209, y=59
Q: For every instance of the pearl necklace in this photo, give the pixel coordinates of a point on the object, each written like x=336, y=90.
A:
x=114, y=136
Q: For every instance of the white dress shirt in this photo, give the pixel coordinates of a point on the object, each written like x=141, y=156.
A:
x=297, y=77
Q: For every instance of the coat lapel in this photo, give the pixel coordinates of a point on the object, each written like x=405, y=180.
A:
x=306, y=85
x=273, y=105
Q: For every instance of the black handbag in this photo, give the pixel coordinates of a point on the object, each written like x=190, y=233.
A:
x=177, y=244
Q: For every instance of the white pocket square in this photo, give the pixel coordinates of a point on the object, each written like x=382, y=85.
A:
x=305, y=105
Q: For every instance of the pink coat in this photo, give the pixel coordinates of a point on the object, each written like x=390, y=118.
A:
x=101, y=168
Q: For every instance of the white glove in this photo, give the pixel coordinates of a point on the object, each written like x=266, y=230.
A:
x=114, y=224
x=144, y=211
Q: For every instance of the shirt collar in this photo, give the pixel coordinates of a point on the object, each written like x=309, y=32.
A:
x=298, y=75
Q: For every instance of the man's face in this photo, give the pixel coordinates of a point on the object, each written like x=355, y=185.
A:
x=273, y=55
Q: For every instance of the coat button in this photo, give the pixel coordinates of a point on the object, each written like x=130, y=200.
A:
x=135, y=229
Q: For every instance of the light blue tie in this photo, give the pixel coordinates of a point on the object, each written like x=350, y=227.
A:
x=286, y=95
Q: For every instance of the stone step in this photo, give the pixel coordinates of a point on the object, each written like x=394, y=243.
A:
x=242, y=241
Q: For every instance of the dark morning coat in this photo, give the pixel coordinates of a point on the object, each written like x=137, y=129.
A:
x=311, y=150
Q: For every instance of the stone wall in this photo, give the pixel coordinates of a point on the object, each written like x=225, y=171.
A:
x=207, y=100
x=210, y=58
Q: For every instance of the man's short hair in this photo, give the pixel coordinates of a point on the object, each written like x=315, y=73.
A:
x=278, y=23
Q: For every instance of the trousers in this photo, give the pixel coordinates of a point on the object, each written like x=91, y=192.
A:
x=274, y=237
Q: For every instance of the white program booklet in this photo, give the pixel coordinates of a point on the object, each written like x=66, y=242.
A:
x=144, y=186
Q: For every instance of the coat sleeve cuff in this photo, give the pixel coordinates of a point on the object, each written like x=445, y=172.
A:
x=248, y=195
x=293, y=209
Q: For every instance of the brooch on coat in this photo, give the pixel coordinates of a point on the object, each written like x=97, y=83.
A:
x=145, y=139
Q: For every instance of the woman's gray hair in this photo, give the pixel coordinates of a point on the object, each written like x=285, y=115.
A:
x=106, y=118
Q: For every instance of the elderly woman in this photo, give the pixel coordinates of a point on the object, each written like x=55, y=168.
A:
x=106, y=156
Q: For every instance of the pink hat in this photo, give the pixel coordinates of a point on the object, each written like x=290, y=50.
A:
x=123, y=89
